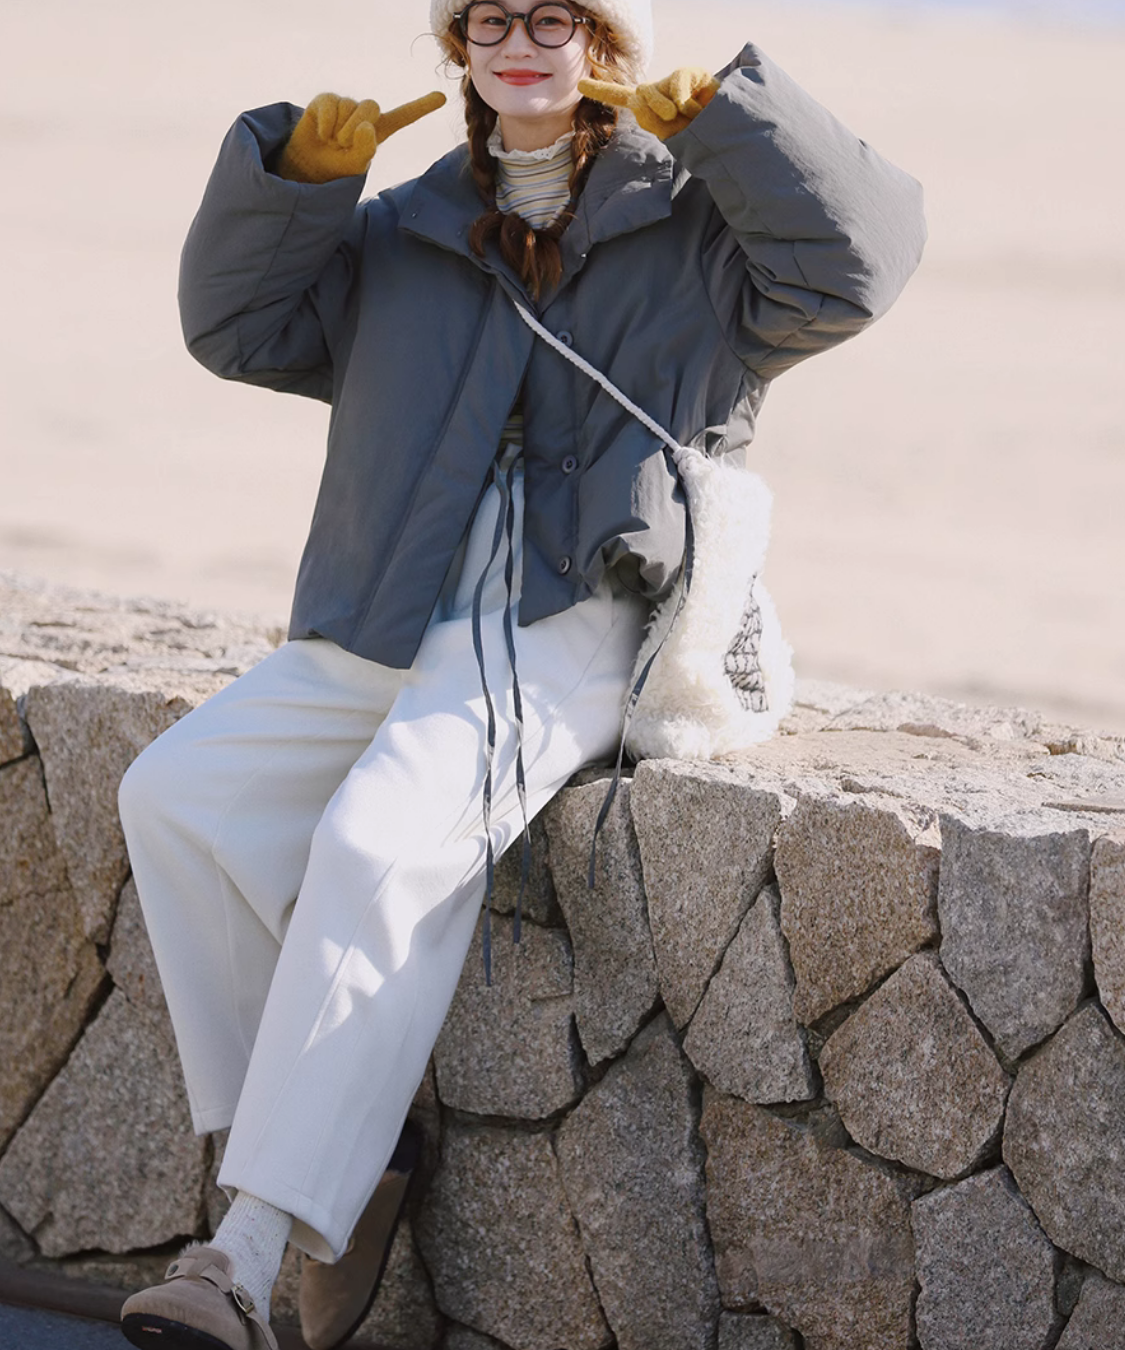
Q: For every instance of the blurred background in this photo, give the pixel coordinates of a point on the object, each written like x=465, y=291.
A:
x=949, y=487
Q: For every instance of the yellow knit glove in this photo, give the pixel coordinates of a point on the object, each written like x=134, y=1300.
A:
x=337, y=137
x=662, y=108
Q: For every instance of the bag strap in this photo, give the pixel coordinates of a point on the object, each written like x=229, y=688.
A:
x=677, y=450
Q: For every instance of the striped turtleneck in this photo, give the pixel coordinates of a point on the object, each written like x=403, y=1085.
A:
x=535, y=184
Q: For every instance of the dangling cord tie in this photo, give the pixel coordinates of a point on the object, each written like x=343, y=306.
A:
x=490, y=738
x=635, y=693
x=517, y=701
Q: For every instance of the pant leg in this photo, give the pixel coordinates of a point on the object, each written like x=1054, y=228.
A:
x=391, y=896
x=219, y=815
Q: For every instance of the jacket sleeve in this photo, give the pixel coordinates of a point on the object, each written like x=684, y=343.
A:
x=268, y=264
x=814, y=235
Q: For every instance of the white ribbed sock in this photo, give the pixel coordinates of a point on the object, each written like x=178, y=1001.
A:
x=253, y=1234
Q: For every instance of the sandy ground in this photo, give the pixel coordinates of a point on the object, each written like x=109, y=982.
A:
x=949, y=486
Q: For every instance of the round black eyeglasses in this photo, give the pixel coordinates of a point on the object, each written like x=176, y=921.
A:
x=486, y=24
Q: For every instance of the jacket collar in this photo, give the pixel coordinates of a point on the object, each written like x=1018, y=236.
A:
x=629, y=187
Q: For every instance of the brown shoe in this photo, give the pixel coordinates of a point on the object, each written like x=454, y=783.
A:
x=198, y=1307
x=334, y=1299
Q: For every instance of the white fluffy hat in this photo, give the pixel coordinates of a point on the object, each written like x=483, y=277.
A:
x=631, y=20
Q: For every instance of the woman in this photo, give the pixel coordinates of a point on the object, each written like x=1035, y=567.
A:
x=312, y=845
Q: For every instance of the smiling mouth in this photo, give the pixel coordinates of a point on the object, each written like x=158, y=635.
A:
x=522, y=76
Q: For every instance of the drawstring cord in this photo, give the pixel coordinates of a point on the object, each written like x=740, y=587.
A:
x=635, y=694
x=505, y=527
x=677, y=453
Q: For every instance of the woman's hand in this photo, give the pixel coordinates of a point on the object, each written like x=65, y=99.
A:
x=337, y=137
x=662, y=108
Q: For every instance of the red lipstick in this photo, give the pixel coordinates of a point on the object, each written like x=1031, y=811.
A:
x=521, y=77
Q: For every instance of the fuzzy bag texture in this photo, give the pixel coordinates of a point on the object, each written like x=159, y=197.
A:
x=723, y=678
x=631, y=20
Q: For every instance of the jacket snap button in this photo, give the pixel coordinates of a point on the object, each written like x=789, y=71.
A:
x=566, y=338
x=569, y=464
x=564, y=566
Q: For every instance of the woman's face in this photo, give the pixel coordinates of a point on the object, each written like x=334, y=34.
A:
x=526, y=83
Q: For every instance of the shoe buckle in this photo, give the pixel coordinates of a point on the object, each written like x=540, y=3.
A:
x=241, y=1296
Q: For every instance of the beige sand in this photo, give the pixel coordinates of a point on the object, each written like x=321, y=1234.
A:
x=949, y=487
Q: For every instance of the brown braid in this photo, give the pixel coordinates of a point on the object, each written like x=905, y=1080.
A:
x=534, y=254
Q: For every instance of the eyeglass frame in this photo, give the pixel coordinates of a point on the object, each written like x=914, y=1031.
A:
x=462, y=19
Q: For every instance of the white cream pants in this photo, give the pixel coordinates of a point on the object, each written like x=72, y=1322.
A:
x=309, y=851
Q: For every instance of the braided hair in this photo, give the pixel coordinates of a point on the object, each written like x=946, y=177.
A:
x=534, y=254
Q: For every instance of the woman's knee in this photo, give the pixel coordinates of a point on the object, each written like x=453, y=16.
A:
x=150, y=784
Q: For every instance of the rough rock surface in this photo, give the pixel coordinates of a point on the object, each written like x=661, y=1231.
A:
x=615, y=983
x=925, y=714
x=912, y=1077
x=753, y=1331
x=858, y=883
x=464, y=1338
x=88, y=734
x=116, y=1113
x=1064, y=1141
x=1098, y=1322
x=510, y=1049
x=16, y=677
x=819, y=1237
x=744, y=1038
x=987, y=1270
x=498, y=1237
x=540, y=903
x=92, y=633
x=50, y=974
x=1107, y=923
x=131, y=962
x=1014, y=921
x=15, y=1246
x=633, y=1173
x=705, y=833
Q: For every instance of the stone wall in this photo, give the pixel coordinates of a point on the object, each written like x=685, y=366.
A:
x=830, y=1057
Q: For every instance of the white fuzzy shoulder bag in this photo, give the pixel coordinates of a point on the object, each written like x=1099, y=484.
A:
x=714, y=673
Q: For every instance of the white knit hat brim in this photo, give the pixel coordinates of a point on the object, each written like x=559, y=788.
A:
x=631, y=20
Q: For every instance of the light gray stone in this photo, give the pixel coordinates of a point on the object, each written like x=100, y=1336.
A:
x=615, y=981
x=107, y=1160
x=16, y=677
x=1107, y=923
x=1064, y=1139
x=754, y=1331
x=540, y=903
x=88, y=734
x=50, y=974
x=927, y=714
x=1098, y=1322
x=912, y=1077
x=706, y=837
x=93, y=633
x=632, y=1168
x=818, y=1236
x=131, y=962
x=511, y=1049
x=987, y=1270
x=1014, y=920
x=501, y=1244
x=858, y=883
x=744, y=1038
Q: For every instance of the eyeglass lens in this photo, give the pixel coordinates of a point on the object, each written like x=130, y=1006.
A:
x=487, y=24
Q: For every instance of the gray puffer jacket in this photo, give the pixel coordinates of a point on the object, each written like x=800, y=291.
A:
x=695, y=271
